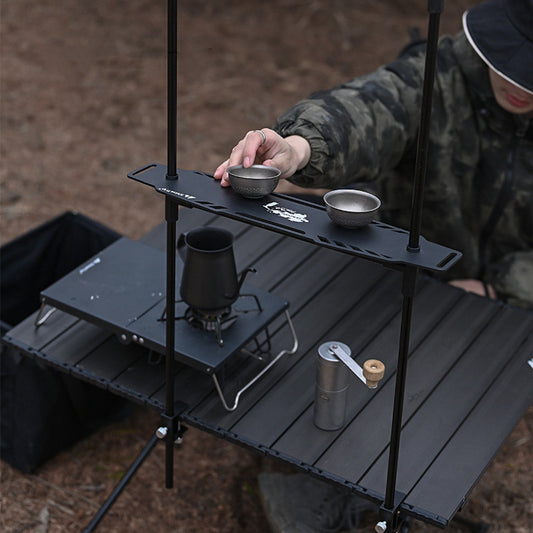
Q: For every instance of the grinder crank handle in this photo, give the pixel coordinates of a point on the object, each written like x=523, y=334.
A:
x=372, y=372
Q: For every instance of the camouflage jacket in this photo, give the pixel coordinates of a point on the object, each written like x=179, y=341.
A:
x=366, y=130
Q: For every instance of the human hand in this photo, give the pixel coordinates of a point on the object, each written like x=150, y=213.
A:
x=475, y=286
x=286, y=154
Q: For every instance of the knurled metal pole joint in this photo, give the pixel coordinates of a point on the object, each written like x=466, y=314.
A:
x=380, y=527
x=171, y=431
x=177, y=430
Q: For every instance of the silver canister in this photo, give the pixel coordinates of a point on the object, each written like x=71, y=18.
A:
x=331, y=387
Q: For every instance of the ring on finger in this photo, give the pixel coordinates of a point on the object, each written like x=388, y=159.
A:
x=262, y=135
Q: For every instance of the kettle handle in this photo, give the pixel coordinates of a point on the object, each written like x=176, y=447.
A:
x=243, y=275
x=181, y=245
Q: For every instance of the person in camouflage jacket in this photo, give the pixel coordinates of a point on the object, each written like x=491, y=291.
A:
x=479, y=187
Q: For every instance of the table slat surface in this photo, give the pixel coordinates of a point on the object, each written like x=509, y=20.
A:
x=468, y=381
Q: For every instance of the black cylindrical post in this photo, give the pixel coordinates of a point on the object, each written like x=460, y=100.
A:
x=172, y=89
x=435, y=9
x=409, y=283
x=171, y=216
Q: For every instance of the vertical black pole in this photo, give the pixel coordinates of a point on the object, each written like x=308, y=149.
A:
x=172, y=88
x=435, y=8
x=409, y=284
x=171, y=217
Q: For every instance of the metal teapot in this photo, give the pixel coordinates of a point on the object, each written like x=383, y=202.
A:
x=209, y=279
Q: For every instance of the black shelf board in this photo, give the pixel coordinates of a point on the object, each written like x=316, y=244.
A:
x=122, y=290
x=297, y=218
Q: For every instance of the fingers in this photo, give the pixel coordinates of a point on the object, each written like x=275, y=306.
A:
x=475, y=286
x=252, y=142
x=221, y=174
x=244, y=153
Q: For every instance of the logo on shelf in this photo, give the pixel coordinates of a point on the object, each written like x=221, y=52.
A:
x=283, y=212
x=176, y=193
x=92, y=264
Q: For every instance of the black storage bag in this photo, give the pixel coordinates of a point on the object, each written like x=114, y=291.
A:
x=43, y=411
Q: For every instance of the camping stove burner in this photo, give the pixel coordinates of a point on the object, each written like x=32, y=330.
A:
x=217, y=320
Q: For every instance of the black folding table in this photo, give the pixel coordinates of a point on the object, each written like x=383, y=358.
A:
x=469, y=379
x=470, y=359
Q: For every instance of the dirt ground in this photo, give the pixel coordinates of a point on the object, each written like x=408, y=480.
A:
x=83, y=103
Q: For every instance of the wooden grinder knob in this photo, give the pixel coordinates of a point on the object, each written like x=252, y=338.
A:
x=373, y=370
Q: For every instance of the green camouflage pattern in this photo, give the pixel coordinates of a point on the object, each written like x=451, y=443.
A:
x=366, y=131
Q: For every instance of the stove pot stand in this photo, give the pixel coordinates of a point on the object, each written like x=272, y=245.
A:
x=209, y=281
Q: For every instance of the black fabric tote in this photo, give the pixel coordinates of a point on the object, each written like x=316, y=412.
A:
x=42, y=410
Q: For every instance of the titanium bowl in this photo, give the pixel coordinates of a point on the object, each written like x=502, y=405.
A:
x=255, y=181
x=350, y=208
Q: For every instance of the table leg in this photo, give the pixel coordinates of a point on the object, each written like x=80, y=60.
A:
x=123, y=482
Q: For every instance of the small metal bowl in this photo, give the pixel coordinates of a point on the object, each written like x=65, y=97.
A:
x=350, y=208
x=255, y=181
